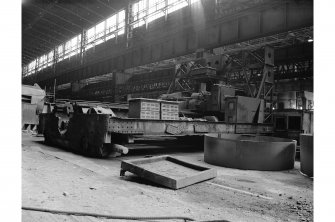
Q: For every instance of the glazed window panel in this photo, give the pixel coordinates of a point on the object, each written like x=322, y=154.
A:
x=50, y=56
x=111, y=24
x=79, y=44
x=155, y=10
x=139, y=11
x=90, y=35
x=42, y=62
x=60, y=52
x=31, y=67
x=100, y=30
x=121, y=22
x=174, y=5
x=67, y=47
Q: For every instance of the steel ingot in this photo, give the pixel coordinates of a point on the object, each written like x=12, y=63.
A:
x=249, y=152
x=306, y=154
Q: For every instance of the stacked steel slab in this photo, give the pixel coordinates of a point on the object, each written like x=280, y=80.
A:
x=142, y=108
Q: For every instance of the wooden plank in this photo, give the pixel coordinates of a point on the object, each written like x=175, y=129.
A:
x=168, y=171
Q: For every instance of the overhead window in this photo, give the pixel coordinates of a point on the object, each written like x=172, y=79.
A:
x=155, y=9
x=174, y=5
x=121, y=22
x=74, y=45
x=78, y=44
x=139, y=11
x=148, y=11
x=31, y=67
x=42, y=62
x=110, y=27
x=60, y=52
x=99, y=32
x=25, y=70
x=115, y=23
x=90, y=37
x=50, y=58
x=67, y=49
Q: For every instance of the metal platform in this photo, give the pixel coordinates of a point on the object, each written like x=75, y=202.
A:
x=168, y=171
x=95, y=134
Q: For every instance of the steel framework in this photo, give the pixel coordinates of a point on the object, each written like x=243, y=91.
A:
x=165, y=39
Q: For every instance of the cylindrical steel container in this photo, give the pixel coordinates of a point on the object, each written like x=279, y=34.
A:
x=306, y=154
x=249, y=152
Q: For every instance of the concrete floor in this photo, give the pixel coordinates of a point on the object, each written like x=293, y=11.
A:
x=56, y=179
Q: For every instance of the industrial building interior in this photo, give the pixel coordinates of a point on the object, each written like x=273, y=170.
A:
x=167, y=110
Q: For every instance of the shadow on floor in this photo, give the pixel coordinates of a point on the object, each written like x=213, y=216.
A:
x=139, y=180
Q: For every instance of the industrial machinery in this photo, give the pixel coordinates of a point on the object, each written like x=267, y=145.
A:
x=294, y=114
x=201, y=87
x=195, y=104
x=99, y=133
x=32, y=105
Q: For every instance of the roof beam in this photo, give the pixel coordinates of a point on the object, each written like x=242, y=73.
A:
x=59, y=17
x=56, y=24
x=101, y=2
x=29, y=55
x=31, y=52
x=58, y=41
x=59, y=26
x=36, y=19
x=36, y=51
x=25, y=61
x=49, y=29
x=75, y=14
x=86, y=8
x=35, y=36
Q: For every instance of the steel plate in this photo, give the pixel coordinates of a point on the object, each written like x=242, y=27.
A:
x=249, y=152
x=306, y=154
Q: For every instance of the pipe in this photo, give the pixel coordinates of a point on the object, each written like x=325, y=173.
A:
x=103, y=215
x=119, y=148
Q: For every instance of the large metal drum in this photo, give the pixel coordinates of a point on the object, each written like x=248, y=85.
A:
x=249, y=152
x=306, y=154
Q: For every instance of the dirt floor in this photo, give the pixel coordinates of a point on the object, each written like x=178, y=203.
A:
x=60, y=180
